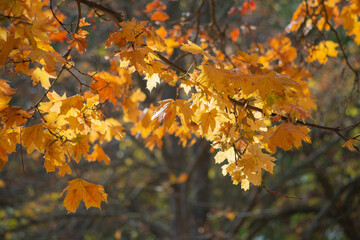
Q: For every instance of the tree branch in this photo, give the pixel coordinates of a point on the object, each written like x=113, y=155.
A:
x=119, y=16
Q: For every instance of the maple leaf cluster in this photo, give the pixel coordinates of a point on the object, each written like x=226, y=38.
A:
x=241, y=104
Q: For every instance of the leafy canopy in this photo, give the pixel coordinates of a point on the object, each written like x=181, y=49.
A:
x=241, y=103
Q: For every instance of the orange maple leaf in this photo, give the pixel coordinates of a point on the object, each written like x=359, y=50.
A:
x=105, y=89
x=287, y=136
x=14, y=114
x=60, y=36
x=156, y=4
x=79, y=42
x=159, y=16
x=78, y=190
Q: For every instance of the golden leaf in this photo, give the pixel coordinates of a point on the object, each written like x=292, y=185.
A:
x=99, y=155
x=79, y=190
x=287, y=136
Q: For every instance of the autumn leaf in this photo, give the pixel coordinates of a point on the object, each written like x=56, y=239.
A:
x=83, y=23
x=322, y=51
x=42, y=76
x=152, y=81
x=7, y=47
x=350, y=144
x=159, y=16
x=99, y=155
x=168, y=110
x=34, y=138
x=13, y=114
x=79, y=190
x=166, y=113
x=253, y=161
x=207, y=120
x=156, y=4
x=136, y=59
x=228, y=154
x=104, y=88
x=60, y=36
x=46, y=58
x=287, y=136
x=235, y=34
x=196, y=49
x=8, y=141
x=248, y=5
x=184, y=111
x=79, y=42
x=5, y=92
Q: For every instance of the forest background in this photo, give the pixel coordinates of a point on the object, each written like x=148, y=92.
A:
x=161, y=181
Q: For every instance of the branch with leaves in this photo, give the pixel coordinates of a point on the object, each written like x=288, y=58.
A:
x=232, y=101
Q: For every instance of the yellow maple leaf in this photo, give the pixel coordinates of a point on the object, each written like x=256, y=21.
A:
x=7, y=47
x=228, y=154
x=184, y=111
x=4, y=100
x=42, y=76
x=154, y=40
x=165, y=112
x=152, y=81
x=207, y=120
x=55, y=157
x=136, y=58
x=46, y=57
x=83, y=23
x=322, y=51
x=99, y=155
x=33, y=138
x=273, y=82
x=5, y=91
x=168, y=110
x=8, y=141
x=195, y=49
x=253, y=161
x=131, y=31
x=79, y=190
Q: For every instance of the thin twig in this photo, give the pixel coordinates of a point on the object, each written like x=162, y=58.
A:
x=57, y=19
x=21, y=152
x=119, y=16
x=281, y=194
